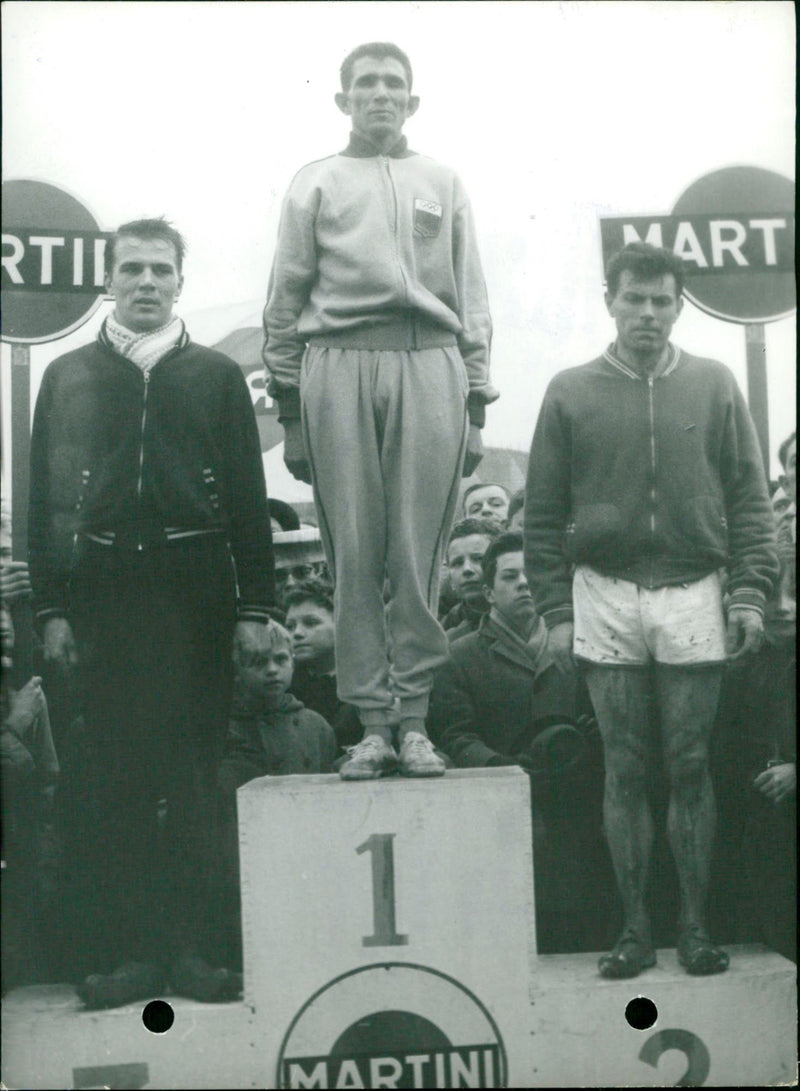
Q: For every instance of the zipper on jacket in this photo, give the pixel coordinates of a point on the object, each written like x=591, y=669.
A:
x=146, y=377
x=385, y=160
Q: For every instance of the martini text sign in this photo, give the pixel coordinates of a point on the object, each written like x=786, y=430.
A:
x=51, y=263
x=389, y=931
x=734, y=230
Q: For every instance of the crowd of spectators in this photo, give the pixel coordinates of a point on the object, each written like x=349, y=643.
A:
x=497, y=701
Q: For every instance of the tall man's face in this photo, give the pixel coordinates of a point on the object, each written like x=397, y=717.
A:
x=378, y=100
x=645, y=312
x=145, y=282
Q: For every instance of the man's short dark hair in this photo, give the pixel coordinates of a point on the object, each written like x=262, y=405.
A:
x=516, y=503
x=465, y=527
x=378, y=50
x=783, y=450
x=644, y=262
x=482, y=485
x=313, y=590
x=157, y=228
x=509, y=542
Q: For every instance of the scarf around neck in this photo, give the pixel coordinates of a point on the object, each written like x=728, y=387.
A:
x=143, y=349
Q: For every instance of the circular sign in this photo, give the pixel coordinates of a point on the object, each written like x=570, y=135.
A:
x=52, y=262
x=393, y=1024
x=753, y=202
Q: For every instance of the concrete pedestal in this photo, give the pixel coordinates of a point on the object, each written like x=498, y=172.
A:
x=389, y=942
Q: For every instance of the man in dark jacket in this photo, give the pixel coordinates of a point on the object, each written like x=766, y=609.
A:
x=645, y=473
x=499, y=700
x=150, y=558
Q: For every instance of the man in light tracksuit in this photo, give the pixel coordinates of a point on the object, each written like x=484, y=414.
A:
x=377, y=351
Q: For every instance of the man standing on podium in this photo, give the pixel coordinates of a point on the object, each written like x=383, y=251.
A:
x=151, y=562
x=377, y=348
x=645, y=481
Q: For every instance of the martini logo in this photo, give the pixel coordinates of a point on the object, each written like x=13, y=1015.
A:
x=392, y=1025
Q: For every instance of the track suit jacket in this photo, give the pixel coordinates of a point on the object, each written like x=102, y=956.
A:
x=377, y=336
x=654, y=480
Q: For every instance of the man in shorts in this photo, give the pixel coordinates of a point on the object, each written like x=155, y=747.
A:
x=645, y=475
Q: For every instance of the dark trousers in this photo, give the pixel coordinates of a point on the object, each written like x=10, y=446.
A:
x=154, y=634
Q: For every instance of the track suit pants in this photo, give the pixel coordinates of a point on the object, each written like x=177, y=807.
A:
x=385, y=432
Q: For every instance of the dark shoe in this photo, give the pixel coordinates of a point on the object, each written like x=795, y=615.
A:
x=193, y=977
x=698, y=955
x=630, y=956
x=133, y=981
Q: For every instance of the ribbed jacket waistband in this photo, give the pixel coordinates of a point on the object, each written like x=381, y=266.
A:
x=399, y=335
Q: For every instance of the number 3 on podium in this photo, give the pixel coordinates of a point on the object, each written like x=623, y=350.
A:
x=380, y=847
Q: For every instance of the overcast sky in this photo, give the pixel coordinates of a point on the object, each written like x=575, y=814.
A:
x=552, y=113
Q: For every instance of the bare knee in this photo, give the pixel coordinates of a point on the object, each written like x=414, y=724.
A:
x=687, y=768
x=625, y=773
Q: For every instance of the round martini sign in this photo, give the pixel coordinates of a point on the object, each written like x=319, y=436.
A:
x=52, y=262
x=392, y=1024
x=734, y=230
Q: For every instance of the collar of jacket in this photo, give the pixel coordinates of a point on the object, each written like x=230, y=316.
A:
x=611, y=356
x=513, y=650
x=361, y=148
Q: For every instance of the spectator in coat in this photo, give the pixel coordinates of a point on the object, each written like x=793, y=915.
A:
x=500, y=700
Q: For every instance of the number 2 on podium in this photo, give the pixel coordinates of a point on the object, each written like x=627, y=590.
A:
x=379, y=846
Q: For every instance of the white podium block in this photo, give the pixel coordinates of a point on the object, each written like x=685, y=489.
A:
x=51, y=1041
x=389, y=928
x=736, y=1029
x=389, y=942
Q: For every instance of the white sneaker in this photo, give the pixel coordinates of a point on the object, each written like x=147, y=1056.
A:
x=373, y=757
x=418, y=757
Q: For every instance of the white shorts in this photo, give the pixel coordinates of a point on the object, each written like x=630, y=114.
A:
x=619, y=622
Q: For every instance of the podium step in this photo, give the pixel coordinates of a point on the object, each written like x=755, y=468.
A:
x=389, y=941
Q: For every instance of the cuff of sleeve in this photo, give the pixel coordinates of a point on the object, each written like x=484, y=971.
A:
x=558, y=616
x=288, y=399
x=476, y=410
x=747, y=598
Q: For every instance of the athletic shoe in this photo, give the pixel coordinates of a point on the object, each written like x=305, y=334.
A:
x=698, y=955
x=373, y=757
x=193, y=977
x=418, y=757
x=133, y=981
x=630, y=956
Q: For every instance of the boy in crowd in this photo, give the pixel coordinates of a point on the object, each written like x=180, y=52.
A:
x=309, y=620
x=270, y=733
x=469, y=540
